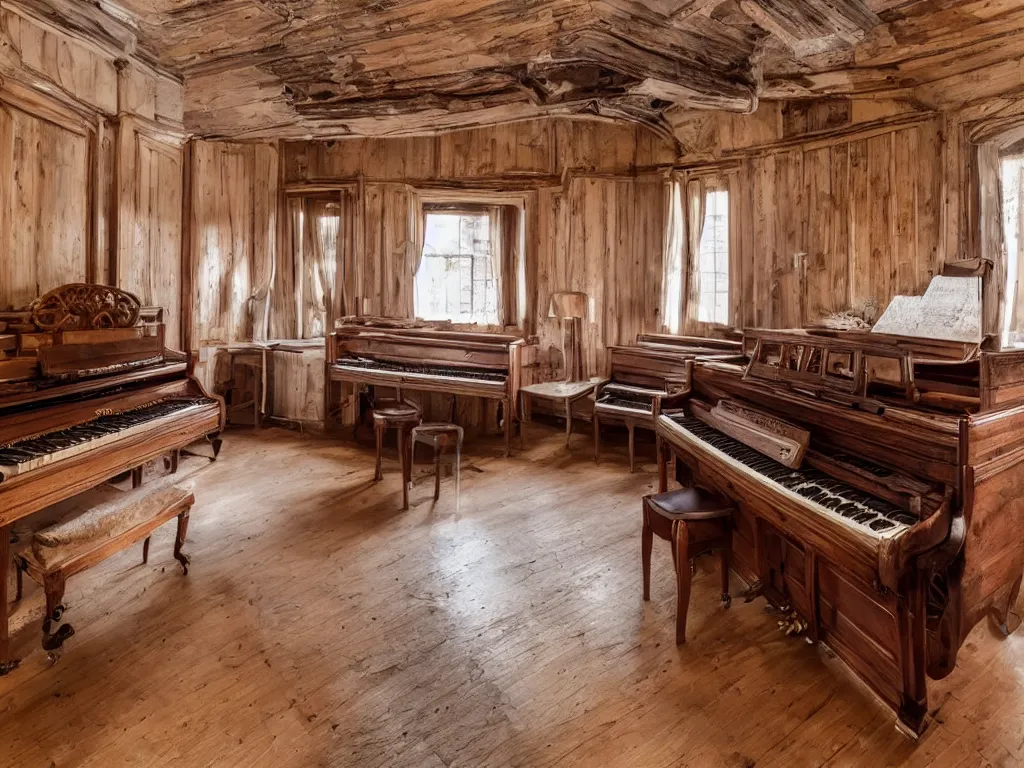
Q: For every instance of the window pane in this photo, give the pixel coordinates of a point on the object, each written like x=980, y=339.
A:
x=713, y=259
x=456, y=278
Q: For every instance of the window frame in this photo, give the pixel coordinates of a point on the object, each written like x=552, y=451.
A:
x=513, y=298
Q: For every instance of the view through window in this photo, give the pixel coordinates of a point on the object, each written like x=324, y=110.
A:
x=713, y=259
x=457, y=276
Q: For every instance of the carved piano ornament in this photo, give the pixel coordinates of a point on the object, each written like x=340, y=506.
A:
x=880, y=487
x=87, y=391
x=426, y=360
x=649, y=376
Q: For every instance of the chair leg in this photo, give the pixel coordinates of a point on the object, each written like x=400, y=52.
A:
x=405, y=459
x=53, y=586
x=646, y=544
x=179, y=541
x=632, y=447
x=597, y=438
x=145, y=550
x=726, y=597
x=378, y=474
x=437, y=472
x=681, y=537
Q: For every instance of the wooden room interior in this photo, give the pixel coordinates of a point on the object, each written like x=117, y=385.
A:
x=562, y=382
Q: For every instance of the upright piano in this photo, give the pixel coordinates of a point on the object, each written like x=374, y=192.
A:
x=484, y=365
x=879, y=486
x=648, y=376
x=87, y=391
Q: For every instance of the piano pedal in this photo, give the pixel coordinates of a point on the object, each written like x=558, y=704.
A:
x=793, y=625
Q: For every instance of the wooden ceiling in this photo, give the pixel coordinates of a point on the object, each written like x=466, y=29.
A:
x=325, y=68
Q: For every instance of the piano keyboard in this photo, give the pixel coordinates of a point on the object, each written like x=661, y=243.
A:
x=31, y=453
x=831, y=497
x=622, y=397
x=369, y=363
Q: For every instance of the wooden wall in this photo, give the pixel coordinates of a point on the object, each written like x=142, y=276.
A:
x=834, y=208
x=595, y=211
x=90, y=168
x=844, y=224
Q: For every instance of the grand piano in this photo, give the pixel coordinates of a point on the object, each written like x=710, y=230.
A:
x=878, y=483
x=650, y=375
x=87, y=391
x=484, y=365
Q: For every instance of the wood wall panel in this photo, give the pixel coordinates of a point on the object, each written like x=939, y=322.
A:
x=503, y=152
x=89, y=188
x=234, y=237
x=148, y=259
x=44, y=177
x=841, y=224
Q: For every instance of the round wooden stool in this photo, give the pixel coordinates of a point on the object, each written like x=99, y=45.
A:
x=694, y=522
x=440, y=437
x=403, y=417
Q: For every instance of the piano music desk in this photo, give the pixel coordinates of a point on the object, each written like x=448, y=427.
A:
x=568, y=392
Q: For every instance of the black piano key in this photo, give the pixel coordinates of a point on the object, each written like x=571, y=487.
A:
x=810, y=483
x=23, y=451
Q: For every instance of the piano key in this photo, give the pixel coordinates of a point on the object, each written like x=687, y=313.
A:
x=834, y=497
x=31, y=453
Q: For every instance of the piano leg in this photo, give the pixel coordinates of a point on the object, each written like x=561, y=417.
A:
x=7, y=664
x=632, y=446
x=910, y=616
x=597, y=438
x=507, y=413
x=568, y=421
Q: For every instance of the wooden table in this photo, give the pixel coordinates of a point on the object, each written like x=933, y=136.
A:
x=567, y=392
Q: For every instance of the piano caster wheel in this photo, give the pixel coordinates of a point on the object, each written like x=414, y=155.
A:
x=6, y=667
x=726, y=601
x=58, y=612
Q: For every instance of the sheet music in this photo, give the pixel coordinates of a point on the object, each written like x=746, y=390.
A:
x=950, y=309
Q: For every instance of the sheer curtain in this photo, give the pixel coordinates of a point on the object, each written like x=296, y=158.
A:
x=675, y=250
x=696, y=195
x=320, y=221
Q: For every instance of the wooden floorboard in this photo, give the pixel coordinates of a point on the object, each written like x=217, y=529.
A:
x=322, y=625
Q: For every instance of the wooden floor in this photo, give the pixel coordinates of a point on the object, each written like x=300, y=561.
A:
x=321, y=625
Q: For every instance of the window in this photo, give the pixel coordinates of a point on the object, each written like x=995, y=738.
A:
x=713, y=259
x=457, y=278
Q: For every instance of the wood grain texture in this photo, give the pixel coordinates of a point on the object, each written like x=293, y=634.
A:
x=506, y=649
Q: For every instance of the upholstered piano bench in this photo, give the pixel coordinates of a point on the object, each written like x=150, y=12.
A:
x=83, y=539
x=694, y=522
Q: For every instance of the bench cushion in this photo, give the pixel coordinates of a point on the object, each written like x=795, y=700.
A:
x=92, y=528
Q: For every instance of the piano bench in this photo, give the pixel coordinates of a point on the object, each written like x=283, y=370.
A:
x=693, y=522
x=82, y=540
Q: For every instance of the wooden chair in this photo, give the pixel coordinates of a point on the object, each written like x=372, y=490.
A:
x=439, y=437
x=694, y=522
x=402, y=416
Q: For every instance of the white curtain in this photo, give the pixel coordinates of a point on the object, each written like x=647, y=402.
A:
x=674, y=261
x=696, y=195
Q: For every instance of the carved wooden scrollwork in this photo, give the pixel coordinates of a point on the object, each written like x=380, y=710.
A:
x=84, y=307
